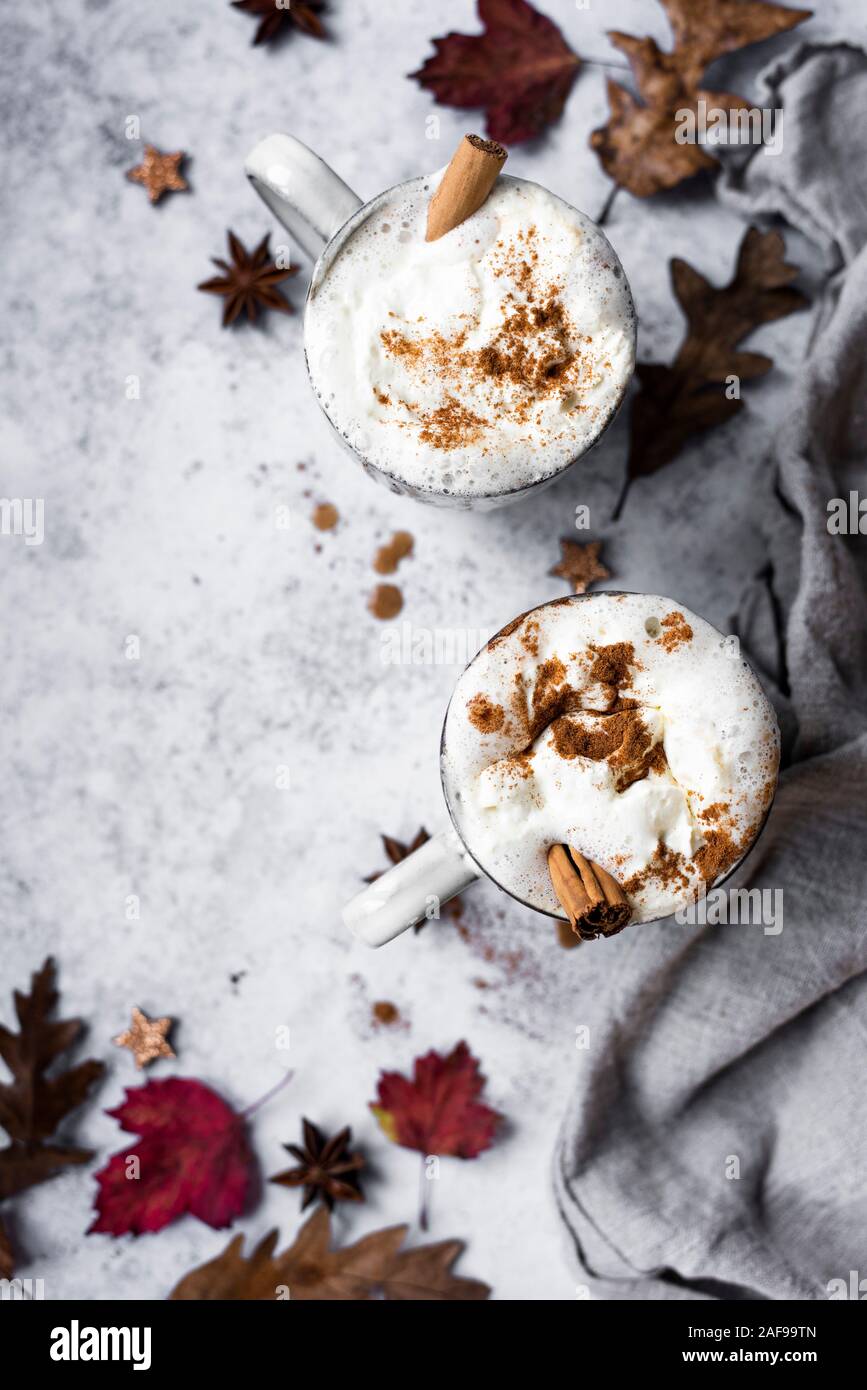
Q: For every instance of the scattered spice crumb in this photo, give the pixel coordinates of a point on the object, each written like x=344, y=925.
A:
x=385, y=1013
x=385, y=602
x=389, y=556
x=325, y=516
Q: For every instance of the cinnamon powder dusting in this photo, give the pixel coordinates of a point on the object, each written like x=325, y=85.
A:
x=622, y=740
x=520, y=764
x=451, y=426
x=717, y=855
x=530, y=637
x=500, y=637
x=484, y=715
x=666, y=867
x=551, y=673
x=612, y=665
x=551, y=698
x=535, y=353
x=676, y=631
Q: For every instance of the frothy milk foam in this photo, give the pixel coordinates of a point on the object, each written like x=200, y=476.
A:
x=621, y=724
x=479, y=363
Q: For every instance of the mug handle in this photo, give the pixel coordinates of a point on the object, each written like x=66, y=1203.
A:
x=301, y=190
x=404, y=895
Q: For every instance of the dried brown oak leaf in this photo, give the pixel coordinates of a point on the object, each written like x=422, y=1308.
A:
x=374, y=1267
x=580, y=564
x=693, y=394
x=33, y=1104
x=637, y=148
x=327, y=1168
x=520, y=69
x=397, y=851
x=248, y=284
x=276, y=19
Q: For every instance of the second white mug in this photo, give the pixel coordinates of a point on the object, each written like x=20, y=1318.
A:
x=621, y=724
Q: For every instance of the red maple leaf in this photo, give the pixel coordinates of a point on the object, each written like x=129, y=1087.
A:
x=520, y=69
x=193, y=1156
x=438, y=1111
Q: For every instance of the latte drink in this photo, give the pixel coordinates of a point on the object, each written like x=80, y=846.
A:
x=620, y=724
x=479, y=364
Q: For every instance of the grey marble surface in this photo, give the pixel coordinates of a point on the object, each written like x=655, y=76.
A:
x=158, y=776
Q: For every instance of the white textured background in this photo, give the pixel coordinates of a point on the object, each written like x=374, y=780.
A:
x=157, y=777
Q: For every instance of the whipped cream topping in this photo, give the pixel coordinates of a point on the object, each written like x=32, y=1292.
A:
x=622, y=724
x=479, y=363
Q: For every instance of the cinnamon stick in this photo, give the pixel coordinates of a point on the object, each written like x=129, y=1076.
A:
x=593, y=901
x=465, y=184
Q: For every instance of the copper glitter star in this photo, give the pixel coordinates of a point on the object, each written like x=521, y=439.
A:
x=160, y=173
x=146, y=1038
x=580, y=564
x=248, y=284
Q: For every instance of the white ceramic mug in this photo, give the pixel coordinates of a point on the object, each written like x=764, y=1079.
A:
x=321, y=213
x=417, y=887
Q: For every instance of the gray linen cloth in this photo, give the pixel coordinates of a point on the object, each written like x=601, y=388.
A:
x=717, y=1142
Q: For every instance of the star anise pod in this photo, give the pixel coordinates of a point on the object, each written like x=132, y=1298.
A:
x=276, y=19
x=327, y=1169
x=397, y=851
x=248, y=284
